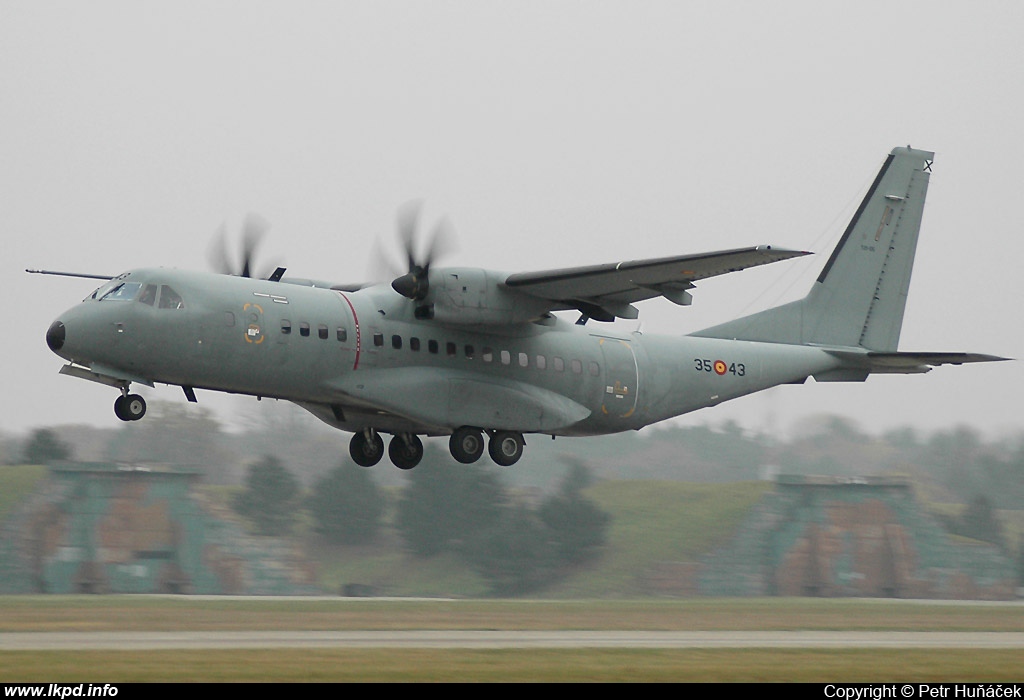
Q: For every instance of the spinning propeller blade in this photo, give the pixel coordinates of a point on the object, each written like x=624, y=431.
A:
x=254, y=228
x=415, y=284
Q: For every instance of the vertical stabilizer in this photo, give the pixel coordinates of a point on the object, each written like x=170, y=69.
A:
x=861, y=293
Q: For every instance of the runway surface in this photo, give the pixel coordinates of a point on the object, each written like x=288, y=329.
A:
x=474, y=639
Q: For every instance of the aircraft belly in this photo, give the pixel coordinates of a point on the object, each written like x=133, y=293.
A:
x=447, y=398
x=519, y=407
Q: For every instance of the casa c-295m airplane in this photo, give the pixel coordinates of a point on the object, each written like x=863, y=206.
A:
x=467, y=352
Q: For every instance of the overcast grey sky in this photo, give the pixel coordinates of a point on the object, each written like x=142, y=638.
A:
x=552, y=133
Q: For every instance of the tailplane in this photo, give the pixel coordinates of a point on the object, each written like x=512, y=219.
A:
x=859, y=298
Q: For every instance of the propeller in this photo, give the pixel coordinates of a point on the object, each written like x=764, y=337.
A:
x=254, y=228
x=415, y=283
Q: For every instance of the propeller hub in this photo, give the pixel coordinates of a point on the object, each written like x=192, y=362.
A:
x=412, y=285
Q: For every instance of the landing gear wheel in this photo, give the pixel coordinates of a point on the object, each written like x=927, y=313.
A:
x=366, y=452
x=405, y=451
x=506, y=447
x=466, y=444
x=119, y=408
x=134, y=406
x=129, y=408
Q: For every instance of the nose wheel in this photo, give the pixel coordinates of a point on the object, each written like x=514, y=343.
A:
x=130, y=407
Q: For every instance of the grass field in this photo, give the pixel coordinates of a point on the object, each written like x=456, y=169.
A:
x=83, y=613
x=654, y=522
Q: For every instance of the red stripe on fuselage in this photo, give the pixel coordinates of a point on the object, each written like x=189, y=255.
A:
x=359, y=340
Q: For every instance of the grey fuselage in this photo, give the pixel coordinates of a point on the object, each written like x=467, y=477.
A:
x=362, y=360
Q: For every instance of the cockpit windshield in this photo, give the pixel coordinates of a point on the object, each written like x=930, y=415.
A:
x=123, y=291
x=107, y=287
x=161, y=296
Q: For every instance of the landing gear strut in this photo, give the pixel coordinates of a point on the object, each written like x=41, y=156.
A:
x=405, y=450
x=130, y=407
x=366, y=448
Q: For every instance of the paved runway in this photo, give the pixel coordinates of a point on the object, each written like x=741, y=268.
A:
x=474, y=639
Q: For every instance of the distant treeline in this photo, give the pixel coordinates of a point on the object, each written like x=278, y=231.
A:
x=954, y=465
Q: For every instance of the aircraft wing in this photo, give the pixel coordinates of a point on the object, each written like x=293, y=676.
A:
x=606, y=291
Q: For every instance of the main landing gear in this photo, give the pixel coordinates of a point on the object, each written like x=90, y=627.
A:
x=367, y=449
x=505, y=446
x=466, y=445
x=129, y=407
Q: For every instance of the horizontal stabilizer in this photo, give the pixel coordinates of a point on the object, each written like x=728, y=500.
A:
x=909, y=362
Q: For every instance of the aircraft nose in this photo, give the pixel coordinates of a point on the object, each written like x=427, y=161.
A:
x=55, y=336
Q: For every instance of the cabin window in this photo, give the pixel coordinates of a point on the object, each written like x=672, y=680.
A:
x=506, y=357
x=322, y=332
x=342, y=334
x=524, y=360
x=170, y=299
x=414, y=344
x=469, y=352
x=304, y=329
x=487, y=354
x=229, y=319
x=558, y=364
x=577, y=367
x=396, y=342
x=148, y=295
x=432, y=346
x=451, y=349
x=594, y=369
x=286, y=327
x=542, y=362
x=378, y=340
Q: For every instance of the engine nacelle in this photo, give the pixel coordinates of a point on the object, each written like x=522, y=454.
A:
x=477, y=297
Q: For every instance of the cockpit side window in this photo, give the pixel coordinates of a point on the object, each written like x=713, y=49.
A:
x=170, y=299
x=124, y=291
x=148, y=295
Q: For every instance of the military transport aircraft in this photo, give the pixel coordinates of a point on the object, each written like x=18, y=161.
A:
x=466, y=352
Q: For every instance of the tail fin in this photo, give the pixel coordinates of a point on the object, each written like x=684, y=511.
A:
x=860, y=295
